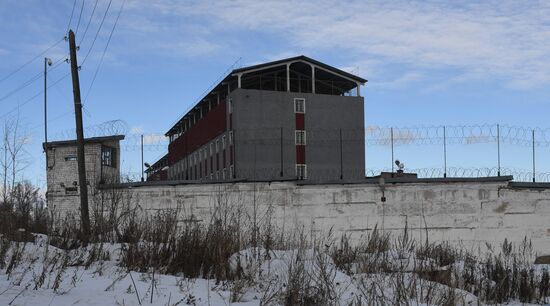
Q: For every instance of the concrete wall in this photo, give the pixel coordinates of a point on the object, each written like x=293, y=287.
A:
x=468, y=212
x=258, y=117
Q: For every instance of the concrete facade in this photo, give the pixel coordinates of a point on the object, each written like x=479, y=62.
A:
x=259, y=118
x=469, y=212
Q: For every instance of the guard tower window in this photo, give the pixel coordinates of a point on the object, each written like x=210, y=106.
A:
x=108, y=156
x=300, y=105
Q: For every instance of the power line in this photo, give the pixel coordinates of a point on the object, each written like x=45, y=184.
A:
x=89, y=22
x=71, y=19
x=29, y=82
x=79, y=17
x=31, y=60
x=33, y=97
x=97, y=33
x=104, y=50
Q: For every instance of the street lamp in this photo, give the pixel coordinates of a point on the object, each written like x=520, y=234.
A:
x=47, y=62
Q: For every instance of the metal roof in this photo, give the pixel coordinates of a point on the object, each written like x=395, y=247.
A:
x=101, y=139
x=301, y=58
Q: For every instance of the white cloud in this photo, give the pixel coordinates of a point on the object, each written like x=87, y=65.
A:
x=504, y=40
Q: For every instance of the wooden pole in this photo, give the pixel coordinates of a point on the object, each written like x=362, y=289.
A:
x=84, y=213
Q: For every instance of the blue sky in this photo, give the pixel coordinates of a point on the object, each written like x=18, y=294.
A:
x=427, y=62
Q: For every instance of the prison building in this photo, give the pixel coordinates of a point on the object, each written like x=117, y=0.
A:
x=102, y=161
x=295, y=118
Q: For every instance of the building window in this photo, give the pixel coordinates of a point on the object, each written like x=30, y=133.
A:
x=223, y=142
x=217, y=145
x=300, y=137
x=108, y=156
x=300, y=105
x=230, y=105
x=301, y=171
x=211, y=148
x=230, y=138
x=217, y=175
x=224, y=173
x=231, y=172
x=71, y=157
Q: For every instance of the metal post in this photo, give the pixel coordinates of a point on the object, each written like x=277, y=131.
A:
x=281, y=174
x=45, y=106
x=341, y=158
x=142, y=158
x=391, y=139
x=498, y=150
x=533, y=137
x=444, y=152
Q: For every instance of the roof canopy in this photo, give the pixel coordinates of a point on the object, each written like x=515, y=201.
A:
x=273, y=75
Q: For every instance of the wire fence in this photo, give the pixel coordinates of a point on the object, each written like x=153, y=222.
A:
x=457, y=134
x=453, y=138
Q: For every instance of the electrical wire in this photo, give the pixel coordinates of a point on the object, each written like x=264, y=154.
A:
x=89, y=22
x=79, y=17
x=33, y=97
x=31, y=60
x=29, y=82
x=71, y=19
x=105, y=50
x=97, y=33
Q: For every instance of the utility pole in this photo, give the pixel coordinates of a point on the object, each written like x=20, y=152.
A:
x=84, y=214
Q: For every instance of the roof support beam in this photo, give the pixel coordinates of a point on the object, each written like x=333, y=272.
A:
x=312, y=78
x=288, y=77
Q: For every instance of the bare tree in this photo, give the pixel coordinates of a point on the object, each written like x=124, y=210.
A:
x=14, y=159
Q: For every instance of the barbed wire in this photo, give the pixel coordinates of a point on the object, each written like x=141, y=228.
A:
x=457, y=134
x=519, y=175
x=108, y=128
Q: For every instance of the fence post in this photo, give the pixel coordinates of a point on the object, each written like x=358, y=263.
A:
x=498, y=150
x=533, y=140
x=391, y=139
x=444, y=152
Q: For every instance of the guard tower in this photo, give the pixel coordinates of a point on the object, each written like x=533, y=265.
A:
x=102, y=157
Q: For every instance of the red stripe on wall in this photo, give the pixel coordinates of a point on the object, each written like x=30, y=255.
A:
x=300, y=121
x=300, y=154
x=207, y=128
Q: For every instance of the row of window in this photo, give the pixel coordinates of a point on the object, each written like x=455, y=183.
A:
x=195, y=174
x=209, y=150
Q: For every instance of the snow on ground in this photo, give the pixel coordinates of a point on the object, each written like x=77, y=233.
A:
x=104, y=282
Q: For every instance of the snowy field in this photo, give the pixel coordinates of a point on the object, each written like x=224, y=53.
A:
x=40, y=274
